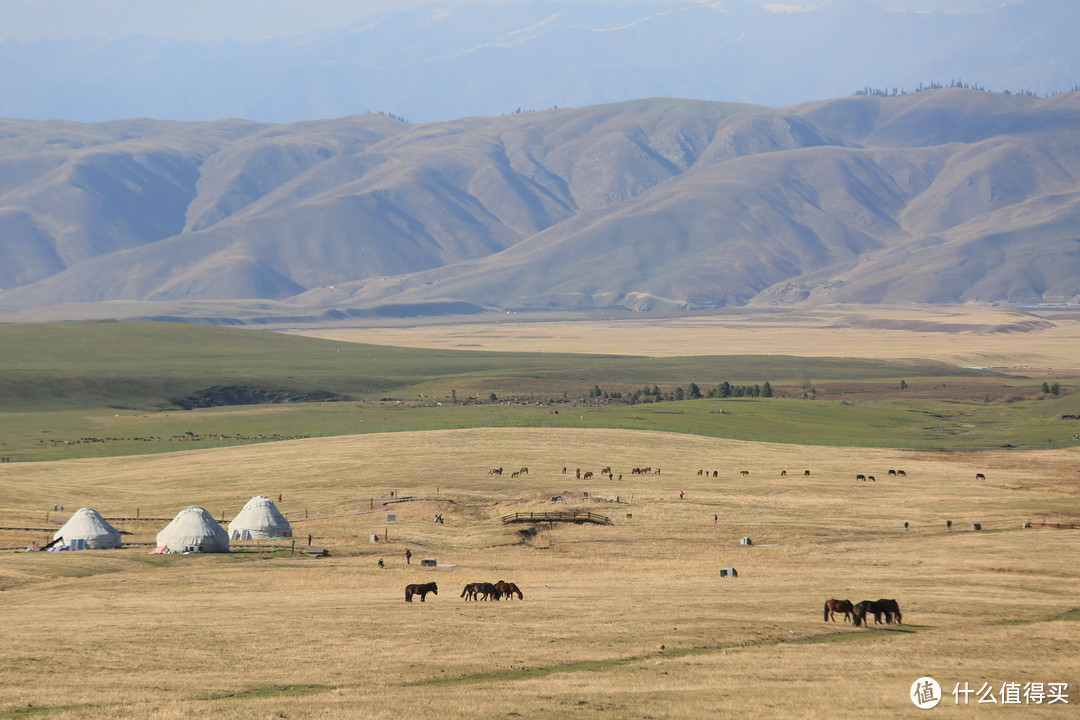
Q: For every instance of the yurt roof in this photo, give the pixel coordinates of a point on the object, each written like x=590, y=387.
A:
x=194, y=528
x=260, y=518
x=87, y=524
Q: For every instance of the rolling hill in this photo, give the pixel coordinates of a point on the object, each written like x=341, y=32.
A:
x=948, y=195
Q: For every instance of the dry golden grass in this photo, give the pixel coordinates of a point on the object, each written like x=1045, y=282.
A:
x=630, y=620
x=961, y=335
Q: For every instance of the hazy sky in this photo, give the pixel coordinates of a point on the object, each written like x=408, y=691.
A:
x=251, y=19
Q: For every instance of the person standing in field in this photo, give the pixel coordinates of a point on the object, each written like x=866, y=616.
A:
x=408, y=556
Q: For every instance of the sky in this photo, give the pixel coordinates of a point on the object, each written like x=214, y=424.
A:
x=255, y=19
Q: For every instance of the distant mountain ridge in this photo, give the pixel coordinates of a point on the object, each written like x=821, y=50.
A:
x=948, y=195
x=439, y=63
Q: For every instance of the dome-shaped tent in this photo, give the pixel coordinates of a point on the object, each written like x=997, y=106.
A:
x=194, y=530
x=260, y=518
x=89, y=526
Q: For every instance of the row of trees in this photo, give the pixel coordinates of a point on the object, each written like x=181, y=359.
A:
x=894, y=91
x=651, y=394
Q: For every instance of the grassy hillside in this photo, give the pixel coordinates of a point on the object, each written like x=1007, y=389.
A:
x=103, y=388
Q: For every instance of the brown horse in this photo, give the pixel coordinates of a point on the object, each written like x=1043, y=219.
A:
x=488, y=590
x=868, y=607
x=834, y=606
x=891, y=609
x=508, y=589
x=469, y=593
x=420, y=589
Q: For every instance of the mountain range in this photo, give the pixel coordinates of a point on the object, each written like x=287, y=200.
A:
x=940, y=196
x=490, y=57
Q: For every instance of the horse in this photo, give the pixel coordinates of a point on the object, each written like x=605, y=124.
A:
x=420, y=589
x=783, y=473
x=860, y=611
x=892, y=472
x=891, y=609
x=469, y=593
x=860, y=477
x=508, y=589
x=834, y=606
x=980, y=476
x=744, y=473
x=495, y=471
x=806, y=473
x=488, y=590
x=524, y=471
x=588, y=474
x=901, y=473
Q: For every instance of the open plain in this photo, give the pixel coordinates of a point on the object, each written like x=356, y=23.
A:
x=627, y=620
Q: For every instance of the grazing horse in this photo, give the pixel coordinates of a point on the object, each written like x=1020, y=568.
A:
x=524, y=471
x=488, y=590
x=508, y=589
x=421, y=590
x=861, y=610
x=495, y=471
x=588, y=474
x=901, y=473
x=980, y=476
x=806, y=473
x=860, y=477
x=834, y=606
x=744, y=473
x=891, y=610
x=892, y=472
x=469, y=593
x=783, y=473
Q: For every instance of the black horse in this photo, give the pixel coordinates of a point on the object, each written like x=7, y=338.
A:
x=888, y=608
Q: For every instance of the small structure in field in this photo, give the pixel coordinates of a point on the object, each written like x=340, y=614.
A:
x=193, y=530
x=86, y=528
x=259, y=519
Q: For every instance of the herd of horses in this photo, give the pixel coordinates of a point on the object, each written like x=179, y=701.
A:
x=472, y=591
x=491, y=591
x=858, y=613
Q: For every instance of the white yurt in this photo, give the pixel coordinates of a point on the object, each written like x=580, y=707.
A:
x=88, y=526
x=194, y=530
x=260, y=518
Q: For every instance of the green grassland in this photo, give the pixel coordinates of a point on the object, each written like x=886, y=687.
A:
x=108, y=388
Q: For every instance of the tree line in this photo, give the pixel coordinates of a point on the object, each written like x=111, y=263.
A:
x=653, y=394
x=894, y=91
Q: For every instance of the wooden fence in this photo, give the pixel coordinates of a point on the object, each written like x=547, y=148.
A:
x=575, y=516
